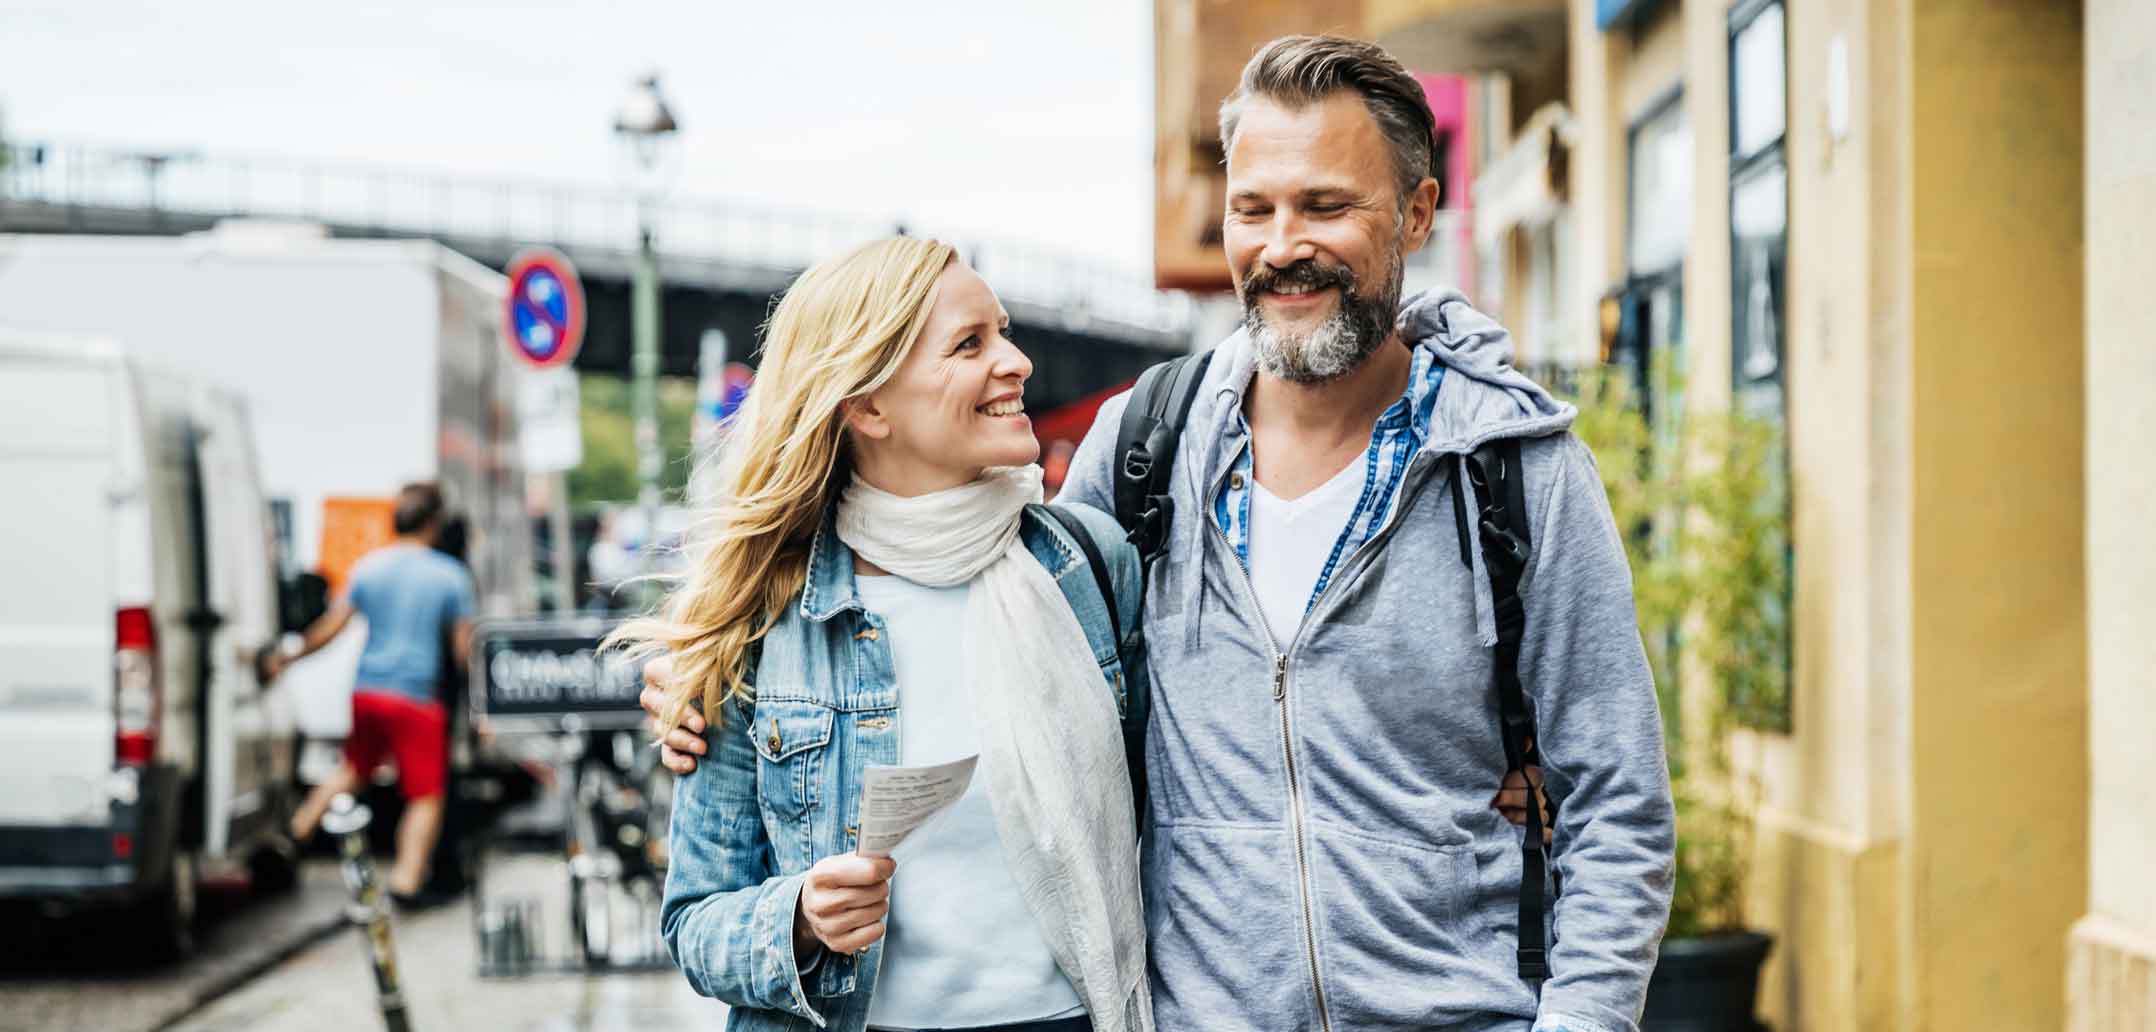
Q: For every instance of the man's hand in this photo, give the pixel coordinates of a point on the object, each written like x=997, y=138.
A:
x=844, y=900
x=1511, y=799
x=680, y=746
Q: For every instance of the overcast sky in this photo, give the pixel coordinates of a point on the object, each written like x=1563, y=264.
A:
x=1019, y=119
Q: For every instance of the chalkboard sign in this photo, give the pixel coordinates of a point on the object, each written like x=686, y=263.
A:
x=530, y=675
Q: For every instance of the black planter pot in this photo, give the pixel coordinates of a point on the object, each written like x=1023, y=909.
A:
x=1708, y=984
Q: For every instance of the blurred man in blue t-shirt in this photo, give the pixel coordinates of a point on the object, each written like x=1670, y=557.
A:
x=414, y=599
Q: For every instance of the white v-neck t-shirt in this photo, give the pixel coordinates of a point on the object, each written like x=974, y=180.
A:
x=1290, y=541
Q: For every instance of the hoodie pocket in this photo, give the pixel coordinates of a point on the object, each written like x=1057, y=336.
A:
x=1396, y=930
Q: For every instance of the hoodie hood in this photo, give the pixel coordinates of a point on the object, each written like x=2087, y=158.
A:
x=1489, y=400
x=1484, y=397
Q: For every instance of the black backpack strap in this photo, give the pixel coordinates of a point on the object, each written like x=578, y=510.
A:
x=1145, y=447
x=1501, y=521
x=1136, y=704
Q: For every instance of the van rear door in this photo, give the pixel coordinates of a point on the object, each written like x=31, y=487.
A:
x=65, y=426
x=250, y=735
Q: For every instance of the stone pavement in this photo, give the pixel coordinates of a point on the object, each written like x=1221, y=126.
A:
x=63, y=976
x=330, y=987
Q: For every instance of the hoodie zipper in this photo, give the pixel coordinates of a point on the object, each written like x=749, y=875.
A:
x=1280, y=698
x=1295, y=791
x=1302, y=857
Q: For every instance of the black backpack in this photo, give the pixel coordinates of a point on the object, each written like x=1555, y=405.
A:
x=1145, y=448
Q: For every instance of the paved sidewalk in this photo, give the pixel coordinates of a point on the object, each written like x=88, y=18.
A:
x=330, y=987
x=61, y=977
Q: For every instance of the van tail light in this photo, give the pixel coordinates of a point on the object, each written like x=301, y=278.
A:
x=137, y=689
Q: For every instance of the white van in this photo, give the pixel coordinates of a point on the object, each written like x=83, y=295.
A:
x=366, y=364
x=139, y=752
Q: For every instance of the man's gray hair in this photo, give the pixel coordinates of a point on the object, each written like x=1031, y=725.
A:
x=1297, y=71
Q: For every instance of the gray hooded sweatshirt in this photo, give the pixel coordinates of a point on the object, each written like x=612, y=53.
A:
x=1323, y=854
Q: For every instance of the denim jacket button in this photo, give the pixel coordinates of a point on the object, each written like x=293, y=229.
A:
x=773, y=741
x=868, y=634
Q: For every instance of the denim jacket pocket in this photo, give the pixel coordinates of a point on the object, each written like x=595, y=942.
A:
x=791, y=738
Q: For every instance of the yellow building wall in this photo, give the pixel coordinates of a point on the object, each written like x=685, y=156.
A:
x=2112, y=965
x=1999, y=699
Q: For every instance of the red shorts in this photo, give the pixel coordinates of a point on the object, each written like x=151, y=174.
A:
x=414, y=733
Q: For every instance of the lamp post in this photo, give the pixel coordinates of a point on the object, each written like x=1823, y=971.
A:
x=645, y=126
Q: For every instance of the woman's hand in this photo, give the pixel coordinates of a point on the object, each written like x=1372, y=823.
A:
x=1511, y=800
x=680, y=746
x=844, y=900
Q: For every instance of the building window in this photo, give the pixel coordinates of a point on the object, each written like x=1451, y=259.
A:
x=1658, y=231
x=1759, y=252
x=1659, y=222
x=1758, y=204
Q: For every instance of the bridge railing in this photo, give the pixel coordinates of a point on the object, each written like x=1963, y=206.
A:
x=388, y=200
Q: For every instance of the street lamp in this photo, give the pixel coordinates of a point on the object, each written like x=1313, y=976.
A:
x=645, y=127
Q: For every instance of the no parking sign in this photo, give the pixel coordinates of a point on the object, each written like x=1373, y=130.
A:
x=544, y=316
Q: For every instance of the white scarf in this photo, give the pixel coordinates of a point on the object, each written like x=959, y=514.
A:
x=1051, y=743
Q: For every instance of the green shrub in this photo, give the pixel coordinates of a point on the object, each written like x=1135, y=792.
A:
x=1703, y=502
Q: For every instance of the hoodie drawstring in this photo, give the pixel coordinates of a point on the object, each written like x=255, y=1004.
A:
x=1192, y=527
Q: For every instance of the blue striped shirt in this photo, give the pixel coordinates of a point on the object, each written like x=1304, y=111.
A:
x=1398, y=435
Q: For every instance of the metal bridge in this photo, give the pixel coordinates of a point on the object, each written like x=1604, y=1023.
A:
x=1086, y=325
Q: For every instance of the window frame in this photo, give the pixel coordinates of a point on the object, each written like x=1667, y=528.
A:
x=1671, y=98
x=1665, y=279
x=1767, y=397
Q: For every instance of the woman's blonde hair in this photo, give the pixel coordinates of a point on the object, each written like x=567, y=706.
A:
x=840, y=333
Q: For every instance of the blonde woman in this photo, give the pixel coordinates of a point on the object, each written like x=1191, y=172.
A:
x=878, y=588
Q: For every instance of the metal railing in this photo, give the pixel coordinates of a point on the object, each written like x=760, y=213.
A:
x=386, y=200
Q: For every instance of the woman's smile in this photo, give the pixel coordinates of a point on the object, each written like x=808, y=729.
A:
x=1005, y=407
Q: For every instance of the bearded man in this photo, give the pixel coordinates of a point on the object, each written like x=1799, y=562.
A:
x=1323, y=853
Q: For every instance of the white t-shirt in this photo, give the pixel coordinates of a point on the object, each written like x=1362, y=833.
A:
x=961, y=949
x=1290, y=541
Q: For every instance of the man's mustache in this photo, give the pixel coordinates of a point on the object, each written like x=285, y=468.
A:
x=1307, y=274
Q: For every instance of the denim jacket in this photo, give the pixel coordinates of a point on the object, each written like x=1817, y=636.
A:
x=779, y=788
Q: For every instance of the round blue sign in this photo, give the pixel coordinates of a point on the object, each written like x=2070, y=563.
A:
x=545, y=313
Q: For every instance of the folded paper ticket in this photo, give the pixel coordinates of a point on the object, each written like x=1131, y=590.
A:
x=896, y=800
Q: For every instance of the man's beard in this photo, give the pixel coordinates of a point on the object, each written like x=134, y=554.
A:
x=1337, y=346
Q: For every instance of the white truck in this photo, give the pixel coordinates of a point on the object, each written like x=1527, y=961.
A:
x=138, y=747
x=365, y=363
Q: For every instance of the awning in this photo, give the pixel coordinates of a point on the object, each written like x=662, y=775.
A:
x=1525, y=186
